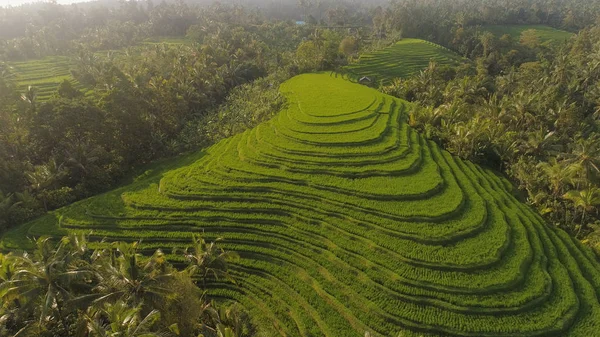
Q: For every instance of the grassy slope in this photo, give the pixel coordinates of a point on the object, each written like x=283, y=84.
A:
x=403, y=59
x=545, y=33
x=347, y=221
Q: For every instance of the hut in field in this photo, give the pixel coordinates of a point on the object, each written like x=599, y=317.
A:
x=365, y=80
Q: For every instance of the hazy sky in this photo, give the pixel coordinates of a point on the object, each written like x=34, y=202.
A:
x=20, y=2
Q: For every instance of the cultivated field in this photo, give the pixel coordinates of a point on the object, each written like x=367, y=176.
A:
x=44, y=75
x=403, y=59
x=546, y=34
x=349, y=221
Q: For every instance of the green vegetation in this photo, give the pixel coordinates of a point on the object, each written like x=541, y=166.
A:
x=146, y=101
x=348, y=214
x=403, y=59
x=44, y=75
x=544, y=33
x=174, y=40
x=345, y=224
x=519, y=109
x=65, y=288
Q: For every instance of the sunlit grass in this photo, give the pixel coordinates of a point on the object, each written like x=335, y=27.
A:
x=403, y=59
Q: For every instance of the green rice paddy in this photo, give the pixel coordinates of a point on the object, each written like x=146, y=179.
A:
x=44, y=75
x=403, y=59
x=347, y=221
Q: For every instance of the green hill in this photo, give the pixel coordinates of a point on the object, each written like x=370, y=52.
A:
x=546, y=34
x=402, y=59
x=349, y=221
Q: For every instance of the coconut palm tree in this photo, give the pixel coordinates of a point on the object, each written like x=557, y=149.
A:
x=226, y=321
x=586, y=154
x=124, y=275
x=8, y=204
x=486, y=39
x=586, y=200
x=208, y=259
x=43, y=282
x=30, y=97
x=45, y=176
x=120, y=319
x=80, y=155
x=559, y=174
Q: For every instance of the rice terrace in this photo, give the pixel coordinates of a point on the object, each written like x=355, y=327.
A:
x=347, y=220
x=300, y=168
x=402, y=59
x=44, y=75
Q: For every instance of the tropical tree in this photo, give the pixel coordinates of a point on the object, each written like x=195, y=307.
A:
x=44, y=282
x=209, y=260
x=126, y=276
x=487, y=41
x=586, y=200
x=586, y=155
x=122, y=320
x=559, y=174
x=226, y=321
x=8, y=204
x=30, y=97
x=43, y=177
x=530, y=38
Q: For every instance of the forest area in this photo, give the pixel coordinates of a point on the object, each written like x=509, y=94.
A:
x=149, y=81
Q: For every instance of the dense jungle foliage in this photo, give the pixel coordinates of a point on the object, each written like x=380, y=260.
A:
x=66, y=288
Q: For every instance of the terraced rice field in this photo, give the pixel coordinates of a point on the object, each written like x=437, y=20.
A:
x=44, y=75
x=403, y=59
x=347, y=221
x=546, y=34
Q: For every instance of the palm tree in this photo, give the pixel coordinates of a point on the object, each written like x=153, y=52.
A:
x=7, y=268
x=559, y=174
x=43, y=177
x=125, y=276
x=206, y=259
x=539, y=142
x=122, y=320
x=487, y=40
x=8, y=204
x=46, y=279
x=226, y=321
x=587, y=155
x=81, y=155
x=586, y=199
x=6, y=80
x=30, y=97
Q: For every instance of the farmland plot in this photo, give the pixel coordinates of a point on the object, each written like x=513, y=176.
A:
x=44, y=75
x=403, y=59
